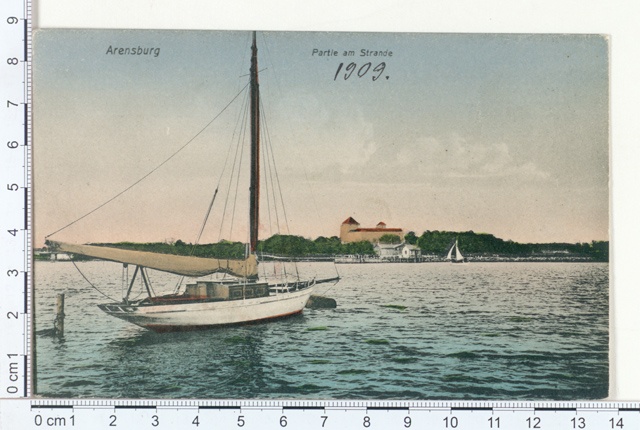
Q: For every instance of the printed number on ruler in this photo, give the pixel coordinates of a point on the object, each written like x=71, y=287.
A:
x=14, y=194
x=270, y=415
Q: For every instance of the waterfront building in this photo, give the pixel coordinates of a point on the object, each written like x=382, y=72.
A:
x=350, y=231
x=398, y=251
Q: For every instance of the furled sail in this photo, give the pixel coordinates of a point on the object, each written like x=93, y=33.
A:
x=177, y=264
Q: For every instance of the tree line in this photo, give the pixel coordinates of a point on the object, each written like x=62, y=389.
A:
x=469, y=242
x=430, y=242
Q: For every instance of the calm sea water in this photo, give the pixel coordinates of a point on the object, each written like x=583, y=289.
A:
x=401, y=331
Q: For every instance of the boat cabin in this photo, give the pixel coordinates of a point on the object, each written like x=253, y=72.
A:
x=225, y=291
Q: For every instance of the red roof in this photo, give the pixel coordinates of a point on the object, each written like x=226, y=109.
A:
x=350, y=221
x=379, y=229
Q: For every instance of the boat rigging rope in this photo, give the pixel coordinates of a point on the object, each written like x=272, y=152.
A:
x=237, y=179
x=152, y=171
x=125, y=278
x=193, y=247
x=275, y=170
x=85, y=278
x=210, y=208
x=215, y=193
x=331, y=286
x=279, y=87
x=241, y=131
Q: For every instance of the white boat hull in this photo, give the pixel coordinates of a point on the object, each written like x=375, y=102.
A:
x=205, y=314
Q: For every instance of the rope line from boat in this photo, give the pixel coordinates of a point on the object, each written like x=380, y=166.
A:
x=269, y=169
x=276, y=189
x=125, y=282
x=235, y=194
x=193, y=247
x=86, y=279
x=224, y=168
x=267, y=190
x=154, y=169
x=236, y=163
x=240, y=125
x=238, y=130
x=122, y=279
x=331, y=286
x=141, y=290
x=215, y=193
x=336, y=280
x=279, y=88
x=275, y=169
x=145, y=275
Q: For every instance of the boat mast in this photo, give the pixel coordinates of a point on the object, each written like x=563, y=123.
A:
x=254, y=190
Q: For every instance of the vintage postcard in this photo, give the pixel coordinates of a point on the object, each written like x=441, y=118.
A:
x=317, y=215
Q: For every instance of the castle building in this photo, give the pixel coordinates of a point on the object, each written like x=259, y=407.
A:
x=350, y=231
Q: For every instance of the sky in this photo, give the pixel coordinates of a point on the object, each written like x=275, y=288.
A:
x=501, y=134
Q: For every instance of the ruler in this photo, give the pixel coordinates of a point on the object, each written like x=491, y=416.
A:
x=15, y=198
x=319, y=415
x=20, y=411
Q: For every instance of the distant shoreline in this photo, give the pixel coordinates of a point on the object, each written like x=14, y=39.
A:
x=63, y=257
x=432, y=246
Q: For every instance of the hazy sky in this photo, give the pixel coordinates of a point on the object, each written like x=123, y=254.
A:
x=504, y=134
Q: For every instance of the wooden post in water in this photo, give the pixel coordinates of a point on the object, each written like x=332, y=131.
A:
x=58, y=323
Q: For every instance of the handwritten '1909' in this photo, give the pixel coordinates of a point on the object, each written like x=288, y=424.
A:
x=362, y=71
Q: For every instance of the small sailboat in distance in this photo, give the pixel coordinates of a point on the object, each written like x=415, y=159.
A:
x=241, y=298
x=454, y=255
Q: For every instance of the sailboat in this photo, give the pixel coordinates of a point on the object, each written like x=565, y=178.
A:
x=454, y=255
x=239, y=299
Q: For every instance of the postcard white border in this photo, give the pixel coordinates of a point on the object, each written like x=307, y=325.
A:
x=617, y=19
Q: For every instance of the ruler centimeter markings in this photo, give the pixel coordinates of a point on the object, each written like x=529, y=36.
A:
x=28, y=209
x=333, y=414
x=16, y=326
x=15, y=198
